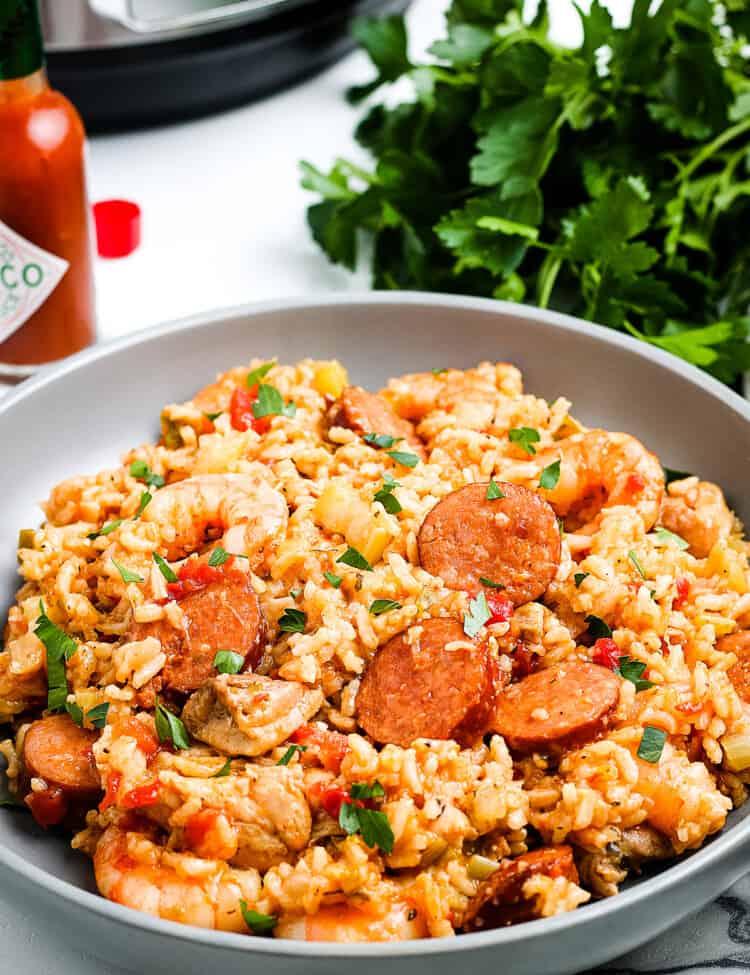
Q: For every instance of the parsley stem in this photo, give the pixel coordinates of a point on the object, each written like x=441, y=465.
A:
x=728, y=135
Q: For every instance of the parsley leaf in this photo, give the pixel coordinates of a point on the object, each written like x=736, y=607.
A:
x=106, y=529
x=258, y=923
x=386, y=496
x=477, y=615
x=287, y=756
x=164, y=567
x=403, y=457
x=333, y=579
x=651, y=744
x=255, y=375
x=372, y=824
x=218, y=557
x=213, y=416
x=550, y=476
x=97, y=716
x=664, y=537
x=271, y=403
x=525, y=438
x=490, y=584
x=228, y=662
x=670, y=474
x=355, y=559
x=75, y=712
x=381, y=439
x=639, y=568
x=126, y=574
x=140, y=470
x=293, y=621
x=493, y=491
x=384, y=39
x=579, y=577
x=380, y=606
x=170, y=728
x=143, y=504
x=60, y=647
x=598, y=629
x=224, y=770
x=633, y=671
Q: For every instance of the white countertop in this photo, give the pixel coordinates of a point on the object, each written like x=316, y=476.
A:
x=223, y=224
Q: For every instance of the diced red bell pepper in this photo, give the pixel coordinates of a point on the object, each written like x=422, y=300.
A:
x=196, y=574
x=114, y=779
x=241, y=411
x=606, y=653
x=326, y=748
x=635, y=483
x=524, y=661
x=48, y=807
x=142, y=795
x=682, y=585
x=501, y=608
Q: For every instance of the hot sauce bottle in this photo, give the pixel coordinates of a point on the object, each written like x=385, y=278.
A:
x=46, y=275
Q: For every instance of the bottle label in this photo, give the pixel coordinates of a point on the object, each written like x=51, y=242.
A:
x=28, y=276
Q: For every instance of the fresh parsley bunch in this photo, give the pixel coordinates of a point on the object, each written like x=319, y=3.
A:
x=611, y=181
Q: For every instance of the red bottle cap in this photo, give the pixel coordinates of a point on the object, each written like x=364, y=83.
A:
x=118, y=227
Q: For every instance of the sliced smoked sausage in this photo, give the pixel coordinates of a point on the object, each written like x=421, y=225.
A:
x=499, y=901
x=364, y=412
x=739, y=673
x=430, y=681
x=513, y=540
x=58, y=751
x=561, y=706
x=224, y=615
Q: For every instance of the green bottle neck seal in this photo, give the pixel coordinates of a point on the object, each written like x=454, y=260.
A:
x=21, y=48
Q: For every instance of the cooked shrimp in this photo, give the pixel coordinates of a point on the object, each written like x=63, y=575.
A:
x=696, y=511
x=133, y=870
x=600, y=470
x=250, y=512
x=391, y=919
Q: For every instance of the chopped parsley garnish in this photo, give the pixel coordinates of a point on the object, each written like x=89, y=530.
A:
x=652, y=744
x=333, y=579
x=579, y=577
x=665, y=536
x=380, y=606
x=295, y=593
x=219, y=556
x=293, y=621
x=493, y=491
x=60, y=647
x=386, y=496
x=143, y=504
x=170, y=728
x=598, y=629
x=255, y=375
x=672, y=475
x=355, y=559
x=224, y=770
x=550, y=476
x=271, y=403
x=287, y=756
x=438, y=372
x=126, y=574
x=639, y=568
x=525, y=438
x=164, y=567
x=140, y=470
x=381, y=439
x=403, y=457
x=490, y=584
x=213, y=416
x=371, y=824
x=75, y=712
x=633, y=670
x=106, y=529
x=228, y=662
x=477, y=615
x=97, y=716
x=256, y=922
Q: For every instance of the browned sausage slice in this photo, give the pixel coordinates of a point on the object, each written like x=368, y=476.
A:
x=560, y=706
x=499, y=901
x=225, y=615
x=739, y=673
x=58, y=751
x=364, y=412
x=430, y=681
x=514, y=540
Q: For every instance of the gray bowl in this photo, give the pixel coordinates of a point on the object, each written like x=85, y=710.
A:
x=80, y=416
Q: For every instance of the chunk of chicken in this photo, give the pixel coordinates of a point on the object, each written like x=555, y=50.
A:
x=247, y=714
x=698, y=513
x=642, y=844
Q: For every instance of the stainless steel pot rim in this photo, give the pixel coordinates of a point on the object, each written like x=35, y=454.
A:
x=724, y=849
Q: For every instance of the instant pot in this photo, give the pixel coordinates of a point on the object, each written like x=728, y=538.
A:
x=128, y=63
